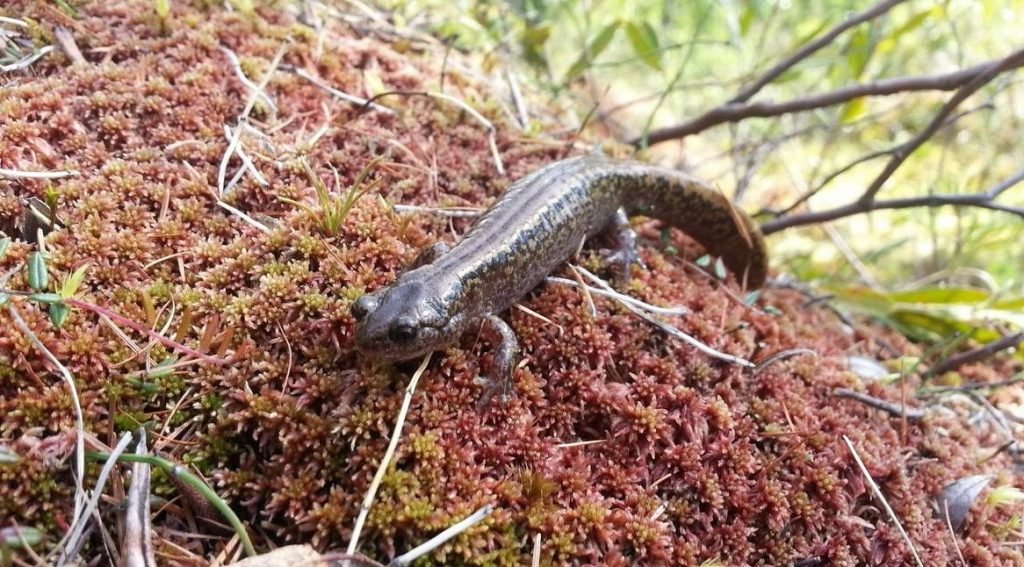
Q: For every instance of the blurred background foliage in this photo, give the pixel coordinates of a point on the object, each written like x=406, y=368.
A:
x=628, y=67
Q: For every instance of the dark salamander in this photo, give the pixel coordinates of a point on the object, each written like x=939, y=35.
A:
x=538, y=224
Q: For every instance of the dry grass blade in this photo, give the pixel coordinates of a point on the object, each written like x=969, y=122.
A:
x=881, y=498
x=438, y=540
x=138, y=532
x=73, y=541
x=385, y=461
x=669, y=329
x=17, y=174
x=76, y=404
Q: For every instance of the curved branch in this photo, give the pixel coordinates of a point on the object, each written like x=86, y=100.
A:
x=807, y=50
x=868, y=157
x=732, y=112
x=989, y=72
x=984, y=200
x=978, y=354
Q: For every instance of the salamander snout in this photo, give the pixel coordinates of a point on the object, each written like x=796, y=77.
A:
x=399, y=322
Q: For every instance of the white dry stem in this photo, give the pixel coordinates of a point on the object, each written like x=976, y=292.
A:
x=359, y=101
x=254, y=90
x=18, y=174
x=621, y=297
x=243, y=118
x=672, y=331
x=517, y=99
x=75, y=403
x=13, y=22
x=246, y=160
x=389, y=453
x=436, y=541
x=74, y=538
x=27, y=61
x=491, y=138
x=882, y=500
x=580, y=443
x=451, y=212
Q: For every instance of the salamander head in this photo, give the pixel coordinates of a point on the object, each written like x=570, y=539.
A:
x=403, y=320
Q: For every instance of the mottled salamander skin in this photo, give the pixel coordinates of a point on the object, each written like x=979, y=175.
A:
x=530, y=231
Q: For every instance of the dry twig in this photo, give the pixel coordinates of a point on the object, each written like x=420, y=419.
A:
x=969, y=80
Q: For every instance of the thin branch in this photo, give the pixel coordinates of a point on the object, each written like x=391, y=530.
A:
x=807, y=50
x=67, y=44
x=978, y=354
x=982, y=200
x=869, y=157
x=895, y=410
x=968, y=80
x=986, y=74
x=610, y=293
x=362, y=102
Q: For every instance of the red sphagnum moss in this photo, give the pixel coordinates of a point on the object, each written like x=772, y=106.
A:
x=690, y=459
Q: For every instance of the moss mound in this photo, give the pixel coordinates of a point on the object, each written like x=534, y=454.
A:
x=622, y=447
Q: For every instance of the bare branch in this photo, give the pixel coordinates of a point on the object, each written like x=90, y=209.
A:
x=868, y=157
x=806, y=51
x=978, y=354
x=983, y=200
x=972, y=77
x=990, y=71
x=896, y=410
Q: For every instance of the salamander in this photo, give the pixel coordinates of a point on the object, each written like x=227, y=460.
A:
x=536, y=225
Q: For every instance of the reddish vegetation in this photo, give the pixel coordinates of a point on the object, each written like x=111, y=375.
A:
x=691, y=459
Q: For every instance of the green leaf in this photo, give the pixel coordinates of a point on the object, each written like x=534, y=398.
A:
x=46, y=298
x=720, y=272
x=4, y=243
x=941, y=295
x=854, y=110
x=644, y=40
x=73, y=282
x=16, y=537
x=37, y=277
x=751, y=12
x=532, y=41
x=163, y=8
x=595, y=47
x=59, y=314
x=858, y=51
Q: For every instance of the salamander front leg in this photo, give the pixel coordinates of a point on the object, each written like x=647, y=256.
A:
x=624, y=255
x=505, y=359
x=429, y=254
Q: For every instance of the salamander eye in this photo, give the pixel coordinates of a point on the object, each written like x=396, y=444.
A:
x=403, y=330
x=362, y=307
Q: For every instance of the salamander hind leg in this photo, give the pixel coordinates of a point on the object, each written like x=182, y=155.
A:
x=624, y=255
x=499, y=384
